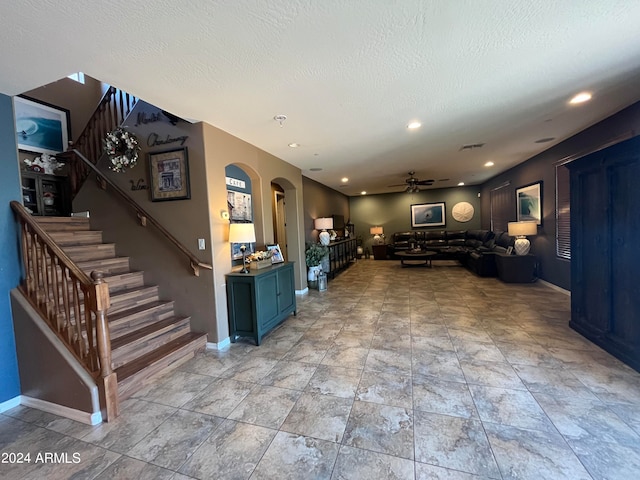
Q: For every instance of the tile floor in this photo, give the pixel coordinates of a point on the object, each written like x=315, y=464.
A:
x=393, y=373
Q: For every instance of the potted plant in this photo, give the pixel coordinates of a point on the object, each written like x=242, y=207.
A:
x=314, y=254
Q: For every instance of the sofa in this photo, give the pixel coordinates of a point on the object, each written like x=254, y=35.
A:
x=475, y=249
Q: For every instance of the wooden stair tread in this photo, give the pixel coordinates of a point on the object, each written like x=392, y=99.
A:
x=63, y=223
x=137, y=309
x=154, y=356
x=145, y=331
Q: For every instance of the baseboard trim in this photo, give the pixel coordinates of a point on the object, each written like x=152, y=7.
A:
x=71, y=413
x=304, y=291
x=9, y=404
x=555, y=287
x=220, y=345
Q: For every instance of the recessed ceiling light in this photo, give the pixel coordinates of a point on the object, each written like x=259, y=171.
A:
x=489, y=164
x=363, y=192
x=344, y=180
x=414, y=125
x=461, y=184
x=315, y=169
x=294, y=145
x=581, y=97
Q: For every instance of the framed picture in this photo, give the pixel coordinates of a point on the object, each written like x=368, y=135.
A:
x=169, y=174
x=509, y=250
x=239, y=206
x=276, y=256
x=529, y=203
x=236, y=253
x=428, y=215
x=41, y=127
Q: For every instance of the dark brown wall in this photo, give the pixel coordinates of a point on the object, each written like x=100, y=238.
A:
x=542, y=168
x=187, y=220
x=321, y=201
x=81, y=100
x=46, y=372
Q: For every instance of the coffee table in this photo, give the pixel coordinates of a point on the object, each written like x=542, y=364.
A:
x=424, y=256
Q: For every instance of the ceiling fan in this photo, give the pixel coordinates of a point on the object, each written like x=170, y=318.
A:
x=412, y=183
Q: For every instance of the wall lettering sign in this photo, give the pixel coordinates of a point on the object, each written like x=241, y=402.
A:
x=153, y=140
x=140, y=185
x=234, y=182
x=144, y=118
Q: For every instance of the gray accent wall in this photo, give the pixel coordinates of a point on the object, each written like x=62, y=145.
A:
x=392, y=211
x=541, y=167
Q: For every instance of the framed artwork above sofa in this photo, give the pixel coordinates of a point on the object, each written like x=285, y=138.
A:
x=428, y=215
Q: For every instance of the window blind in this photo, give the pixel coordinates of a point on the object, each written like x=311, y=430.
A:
x=563, y=212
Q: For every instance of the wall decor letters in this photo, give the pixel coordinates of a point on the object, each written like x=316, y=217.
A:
x=153, y=140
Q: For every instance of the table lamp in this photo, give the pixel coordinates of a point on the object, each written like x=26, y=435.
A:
x=520, y=230
x=324, y=224
x=242, y=233
x=376, y=232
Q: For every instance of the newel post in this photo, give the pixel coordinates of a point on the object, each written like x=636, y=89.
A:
x=108, y=383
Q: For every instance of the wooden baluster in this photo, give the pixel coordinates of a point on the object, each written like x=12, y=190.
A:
x=108, y=378
x=57, y=285
x=67, y=305
x=76, y=330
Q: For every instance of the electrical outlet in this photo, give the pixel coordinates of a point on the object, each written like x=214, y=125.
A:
x=201, y=244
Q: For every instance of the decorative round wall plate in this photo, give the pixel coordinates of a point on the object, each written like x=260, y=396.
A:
x=462, y=212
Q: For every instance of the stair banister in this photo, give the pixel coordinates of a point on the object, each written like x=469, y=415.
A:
x=53, y=284
x=143, y=216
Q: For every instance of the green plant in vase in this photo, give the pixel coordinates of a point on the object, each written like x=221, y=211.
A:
x=314, y=254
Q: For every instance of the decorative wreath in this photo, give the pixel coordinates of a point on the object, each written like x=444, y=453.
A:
x=122, y=149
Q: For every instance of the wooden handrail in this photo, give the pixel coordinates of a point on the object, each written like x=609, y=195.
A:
x=73, y=305
x=143, y=215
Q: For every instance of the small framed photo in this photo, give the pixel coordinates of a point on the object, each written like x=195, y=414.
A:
x=276, y=255
x=428, y=215
x=169, y=174
x=509, y=250
x=529, y=203
x=41, y=127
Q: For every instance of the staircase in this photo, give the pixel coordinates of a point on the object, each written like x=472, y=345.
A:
x=147, y=337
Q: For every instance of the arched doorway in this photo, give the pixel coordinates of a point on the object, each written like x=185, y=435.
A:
x=279, y=218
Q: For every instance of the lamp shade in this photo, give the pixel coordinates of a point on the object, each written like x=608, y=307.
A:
x=242, y=233
x=323, y=223
x=376, y=231
x=519, y=229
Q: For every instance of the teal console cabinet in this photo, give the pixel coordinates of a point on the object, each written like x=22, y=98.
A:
x=259, y=300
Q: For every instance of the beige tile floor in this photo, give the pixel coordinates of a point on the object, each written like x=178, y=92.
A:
x=393, y=373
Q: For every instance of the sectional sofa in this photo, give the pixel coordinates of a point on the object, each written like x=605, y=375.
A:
x=482, y=251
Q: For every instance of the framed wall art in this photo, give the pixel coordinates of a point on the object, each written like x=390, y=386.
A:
x=239, y=206
x=529, y=203
x=169, y=174
x=428, y=215
x=276, y=256
x=41, y=127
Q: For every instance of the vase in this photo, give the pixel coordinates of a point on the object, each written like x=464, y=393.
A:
x=313, y=273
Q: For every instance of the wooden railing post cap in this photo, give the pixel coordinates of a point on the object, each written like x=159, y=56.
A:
x=97, y=276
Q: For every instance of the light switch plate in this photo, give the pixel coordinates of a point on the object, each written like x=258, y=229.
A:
x=201, y=244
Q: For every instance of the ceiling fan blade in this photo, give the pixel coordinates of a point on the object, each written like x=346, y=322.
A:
x=398, y=185
x=425, y=182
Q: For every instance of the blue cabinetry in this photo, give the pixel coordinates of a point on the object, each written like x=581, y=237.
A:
x=259, y=300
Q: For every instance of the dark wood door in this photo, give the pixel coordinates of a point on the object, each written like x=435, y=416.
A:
x=605, y=264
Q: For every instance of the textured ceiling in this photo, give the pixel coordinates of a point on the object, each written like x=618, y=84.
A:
x=348, y=74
